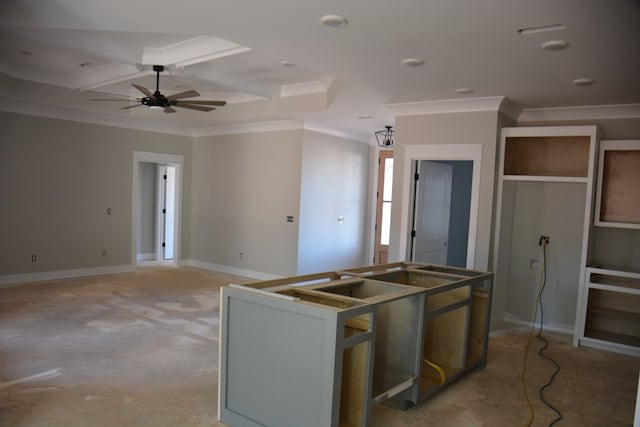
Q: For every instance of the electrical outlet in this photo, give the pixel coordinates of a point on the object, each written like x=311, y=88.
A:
x=534, y=263
x=289, y=218
x=108, y=211
x=104, y=253
x=340, y=219
x=34, y=258
x=241, y=255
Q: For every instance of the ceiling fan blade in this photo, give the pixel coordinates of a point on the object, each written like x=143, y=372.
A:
x=144, y=90
x=116, y=100
x=204, y=102
x=187, y=94
x=169, y=110
x=194, y=107
x=130, y=106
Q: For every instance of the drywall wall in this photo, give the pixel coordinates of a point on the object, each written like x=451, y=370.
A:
x=57, y=181
x=146, y=221
x=449, y=128
x=243, y=188
x=333, y=203
x=555, y=210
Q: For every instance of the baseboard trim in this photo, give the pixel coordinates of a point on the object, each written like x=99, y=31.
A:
x=146, y=256
x=258, y=275
x=16, y=279
x=564, y=329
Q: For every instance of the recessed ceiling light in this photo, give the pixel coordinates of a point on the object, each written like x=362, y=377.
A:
x=333, y=20
x=464, y=90
x=26, y=52
x=555, y=45
x=412, y=62
x=287, y=64
x=541, y=29
x=583, y=82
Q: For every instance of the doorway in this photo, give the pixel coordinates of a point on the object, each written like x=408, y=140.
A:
x=406, y=157
x=156, y=208
x=383, y=207
x=442, y=204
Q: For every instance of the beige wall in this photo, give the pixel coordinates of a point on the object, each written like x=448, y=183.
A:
x=334, y=184
x=244, y=187
x=57, y=181
x=450, y=128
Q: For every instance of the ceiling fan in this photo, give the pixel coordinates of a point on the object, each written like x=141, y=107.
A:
x=166, y=103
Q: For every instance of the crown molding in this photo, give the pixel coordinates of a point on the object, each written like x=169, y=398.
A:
x=294, y=89
x=337, y=133
x=589, y=112
x=490, y=103
x=278, y=125
x=30, y=108
x=13, y=105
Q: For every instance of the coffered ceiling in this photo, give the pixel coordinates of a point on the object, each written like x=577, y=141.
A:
x=275, y=60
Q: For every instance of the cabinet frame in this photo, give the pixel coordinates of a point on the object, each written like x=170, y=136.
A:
x=502, y=271
x=623, y=290
x=346, y=309
x=607, y=146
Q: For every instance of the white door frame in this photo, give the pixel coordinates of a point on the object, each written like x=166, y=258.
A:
x=411, y=154
x=168, y=159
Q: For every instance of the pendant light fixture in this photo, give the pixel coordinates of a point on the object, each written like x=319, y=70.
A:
x=385, y=137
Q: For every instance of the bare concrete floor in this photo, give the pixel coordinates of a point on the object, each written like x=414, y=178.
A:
x=141, y=349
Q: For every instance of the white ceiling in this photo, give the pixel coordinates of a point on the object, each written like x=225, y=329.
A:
x=233, y=49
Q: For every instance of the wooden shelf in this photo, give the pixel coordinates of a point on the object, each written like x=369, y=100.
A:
x=612, y=282
x=609, y=336
x=561, y=156
x=618, y=197
x=610, y=312
x=545, y=178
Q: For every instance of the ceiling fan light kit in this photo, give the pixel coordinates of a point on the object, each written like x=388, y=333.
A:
x=157, y=101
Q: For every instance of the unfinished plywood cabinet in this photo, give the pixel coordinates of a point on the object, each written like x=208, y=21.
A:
x=610, y=315
x=321, y=350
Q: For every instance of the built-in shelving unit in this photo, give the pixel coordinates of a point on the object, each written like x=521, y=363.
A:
x=610, y=296
x=545, y=187
x=618, y=196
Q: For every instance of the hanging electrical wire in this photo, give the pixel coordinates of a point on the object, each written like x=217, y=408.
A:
x=544, y=241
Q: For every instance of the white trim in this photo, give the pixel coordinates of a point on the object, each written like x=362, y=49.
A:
x=337, y=133
x=611, y=145
x=489, y=103
x=160, y=187
x=278, y=125
x=19, y=106
x=165, y=159
x=588, y=112
x=15, y=279
x=408, y=156
x=156, y=263
x=538, y=178
x=242, y=272
x=565, y=329
x=145, y=256
x=304, y=88
x=608, y=346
